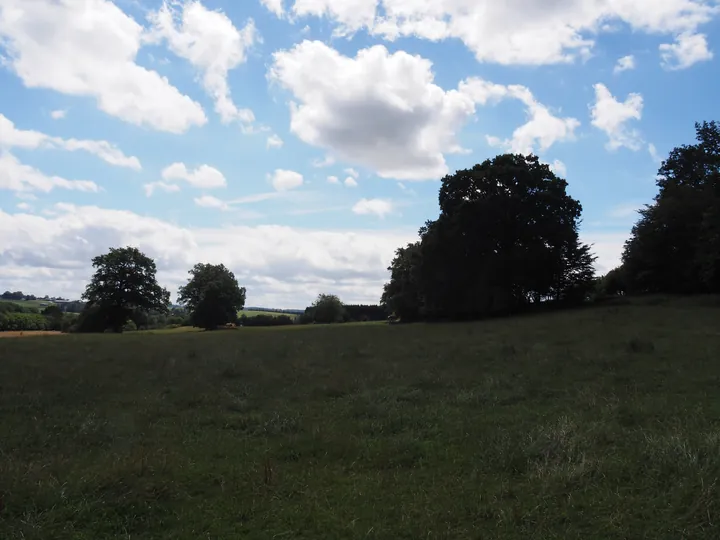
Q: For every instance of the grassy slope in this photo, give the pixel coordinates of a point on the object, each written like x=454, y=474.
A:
x=35, y=304
x=600, y=423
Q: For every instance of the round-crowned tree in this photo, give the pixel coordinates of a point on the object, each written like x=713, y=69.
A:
x=212, y=296
x=124, y=282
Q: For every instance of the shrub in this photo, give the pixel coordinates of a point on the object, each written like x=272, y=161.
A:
x=16, y=322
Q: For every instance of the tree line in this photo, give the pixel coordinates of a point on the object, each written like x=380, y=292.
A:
x=507, y=241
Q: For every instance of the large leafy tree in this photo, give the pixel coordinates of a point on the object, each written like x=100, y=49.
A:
x=124, y=282
x=326, y=309
x=212, y=295
x=402, y=295
x=675, y=245
x=507, y=235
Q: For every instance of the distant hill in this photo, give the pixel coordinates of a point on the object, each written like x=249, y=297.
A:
x=275, y=310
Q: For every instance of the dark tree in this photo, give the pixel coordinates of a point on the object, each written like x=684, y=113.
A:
x=124, y=282
x=326, y=309
x=401, y=295
x=675, y=245
x=212, y=295
x=507, y=236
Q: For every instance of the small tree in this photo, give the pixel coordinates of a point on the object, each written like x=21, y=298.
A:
x=124, y=281
x=327, y=309
x=212, y=295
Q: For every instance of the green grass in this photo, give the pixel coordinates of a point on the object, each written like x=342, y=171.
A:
x=34, y=304
x=601, y=423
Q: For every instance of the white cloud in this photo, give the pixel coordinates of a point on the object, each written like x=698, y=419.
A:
x=284, y=180
x=559, y=168
x=517, y=32
x=280, y=266
x=58, y=114
x=379, y=110
x=88, y=48
x=11, y=137
x=208, y=201
x=350, y=182
x=204, y=176
x=352, y=172
x=654, y=153
x=275, y=6
x=151, y=187
x=333, y=180
x=624, y=64
x=211, y=43
x=16, y=176
x=377, y=207
x=611, y=116
x=542, y=129
x=687, y=50
x=25, y=207
x=274, y=141
x=325, y=162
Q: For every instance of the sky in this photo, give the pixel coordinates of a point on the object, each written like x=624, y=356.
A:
x=300, y=142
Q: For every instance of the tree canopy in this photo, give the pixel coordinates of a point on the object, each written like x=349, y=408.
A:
x=212, y=295
x=124, y=282
x=675, y=245
x=326, y=309
x=507, y=236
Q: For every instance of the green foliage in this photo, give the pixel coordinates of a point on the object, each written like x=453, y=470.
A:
x=326, y=309
x=591, y=424
x=506, y=237
x=125, y=282
x=212, y=296
x=364, y=313
x=15, y=322
x=675, y=245
x=266, y=320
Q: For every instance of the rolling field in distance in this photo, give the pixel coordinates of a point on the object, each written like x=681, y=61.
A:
x=254, y=313
x=596, y=423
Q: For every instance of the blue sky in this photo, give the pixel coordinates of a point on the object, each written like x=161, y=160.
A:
x=300, y=142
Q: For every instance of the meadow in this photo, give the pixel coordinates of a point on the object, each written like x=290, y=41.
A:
x=594, y=423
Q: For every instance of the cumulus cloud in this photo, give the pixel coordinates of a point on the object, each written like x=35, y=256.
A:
x=281, y=266
x=18, y=177
x=624, y=64
x=611, y=116
x=515, y=32
x=378, y=109
x=152, y=187
x=88, y=49
x=58, y=114
x=204, y=176
x=654, y=153
x=350, y=182
x=333, y=180
x=274, y=141
x=559, y=168
x=211, y=43
x=208, y=201
x=687, y=50
x=275, y=6
x=540, y=132
x=377, y=207
x=10, y=137
x=284, y=180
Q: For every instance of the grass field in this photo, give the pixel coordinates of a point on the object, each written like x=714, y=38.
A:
x=33, y=304
x=601, y=423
